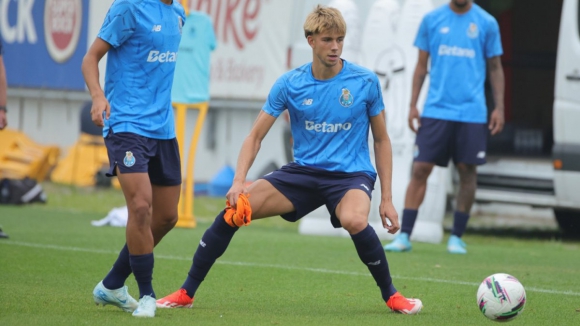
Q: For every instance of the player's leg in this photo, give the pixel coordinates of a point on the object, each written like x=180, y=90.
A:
x=129, y=155
x=165, y=175
x=469, y=151
x=164, y=210
x=352, y=212
x=432, y=147
x=265, y=201
x=139, y=197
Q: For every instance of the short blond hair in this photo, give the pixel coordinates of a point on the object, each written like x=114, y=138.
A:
x=323, y=19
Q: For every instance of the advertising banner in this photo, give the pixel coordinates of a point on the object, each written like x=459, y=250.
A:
x=252, y=52
x=44, y=42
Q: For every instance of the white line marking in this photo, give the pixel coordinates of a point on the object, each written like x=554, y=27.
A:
x=247, y=264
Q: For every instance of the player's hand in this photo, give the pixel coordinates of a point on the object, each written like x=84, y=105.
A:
x=389, y=216
x=414, y=116
x=235, y=191
x=3, y=120
x=100, y=105
x=496, y=121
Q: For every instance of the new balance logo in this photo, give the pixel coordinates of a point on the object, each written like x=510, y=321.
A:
x=156, y=56
x=444, y=30
x=481, y=154
x=307, y=101
x=201, y=243
x=156, y=28
x=374, y=263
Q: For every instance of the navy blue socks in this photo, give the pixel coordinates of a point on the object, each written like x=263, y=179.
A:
x=371, y=253
x=459, y=223
x=212, y=245
x=408, y=220
x=119, y=272
x=142, y=266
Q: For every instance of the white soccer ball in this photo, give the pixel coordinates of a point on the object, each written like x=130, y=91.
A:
x=501, y=297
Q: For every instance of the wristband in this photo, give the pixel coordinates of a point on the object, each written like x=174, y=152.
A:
x=3, y=108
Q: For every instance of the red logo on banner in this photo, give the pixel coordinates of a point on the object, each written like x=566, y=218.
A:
x=237, y=20
x=62, y=27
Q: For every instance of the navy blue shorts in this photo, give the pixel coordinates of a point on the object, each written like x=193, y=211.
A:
x=438, y=141
x=133, y=153
x=308, y=188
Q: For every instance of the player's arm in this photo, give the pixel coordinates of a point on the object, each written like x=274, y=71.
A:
x=384, y=163
x=497, y=81
x=248, y=153
x=3, y=94
x=418, y=80
x=90, y=69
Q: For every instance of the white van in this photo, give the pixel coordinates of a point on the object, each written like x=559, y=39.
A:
x=536, y=159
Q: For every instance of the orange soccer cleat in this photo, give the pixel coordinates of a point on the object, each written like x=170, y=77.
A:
x=398, y=303
x=177, y=299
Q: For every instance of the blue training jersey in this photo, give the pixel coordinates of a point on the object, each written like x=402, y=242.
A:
x=144, y=36
x=329, y=118
x=459, y=46
x=191, y=81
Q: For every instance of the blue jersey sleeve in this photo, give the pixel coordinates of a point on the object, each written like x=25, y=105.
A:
x=375, y=100
x=493, y=46
x=276, y=101
x=119, y=24
x=422, y=39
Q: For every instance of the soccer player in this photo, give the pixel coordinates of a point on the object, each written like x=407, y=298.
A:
x=331, y=103
x=3, y=95
x=141, y=38
x=462, y=40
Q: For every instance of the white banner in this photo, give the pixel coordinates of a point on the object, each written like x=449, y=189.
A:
x=253, y=38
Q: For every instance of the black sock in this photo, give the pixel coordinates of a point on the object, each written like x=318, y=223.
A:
x=119, y=272
x=371, y=253
x=212, y=245
x=459, y=223
x=408, y=220
x=142, y=266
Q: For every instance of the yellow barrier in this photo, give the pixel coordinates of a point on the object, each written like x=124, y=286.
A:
x=21, y=157
x=83, y=160
x=186, y=200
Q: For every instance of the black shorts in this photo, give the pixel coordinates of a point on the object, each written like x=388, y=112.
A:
x=308, y=188
x=438, y=141
x=133, y=153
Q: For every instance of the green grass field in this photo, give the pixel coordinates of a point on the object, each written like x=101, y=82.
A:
x=270, y=274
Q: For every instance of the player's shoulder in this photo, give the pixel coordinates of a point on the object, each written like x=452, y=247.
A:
x=483, y=14
x=442, y=10
x=358, y=70
x=178, y=7
x=297, y=73
x=121, y=5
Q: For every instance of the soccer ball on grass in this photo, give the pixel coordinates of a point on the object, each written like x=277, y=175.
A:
x=501, y=297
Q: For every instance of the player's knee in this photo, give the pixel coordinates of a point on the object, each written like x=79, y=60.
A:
x=140, y=211
x=467, y=173
x=169, y=220
x=354, y=223
x=421, y=172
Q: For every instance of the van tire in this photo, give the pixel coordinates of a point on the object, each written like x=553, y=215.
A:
x=569, y=221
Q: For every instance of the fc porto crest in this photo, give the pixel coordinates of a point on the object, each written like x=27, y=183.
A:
x=472, y=31
x=346, y=98
x=129, y=159
x=180, y=22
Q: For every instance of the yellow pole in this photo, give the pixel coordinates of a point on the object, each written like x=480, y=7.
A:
x=186, y=218
x=185, y=4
